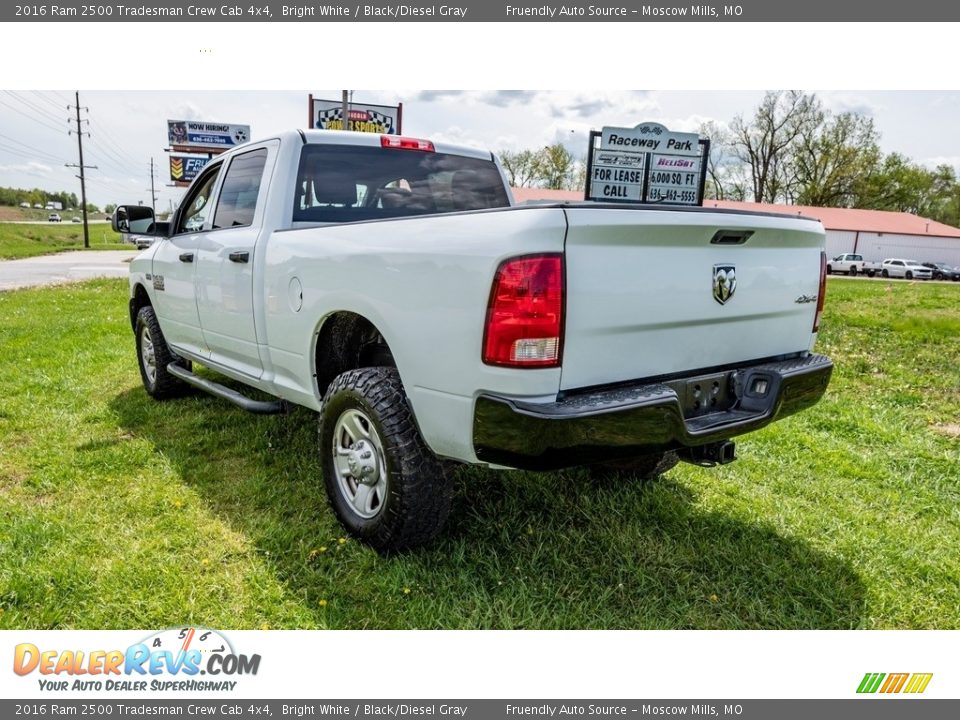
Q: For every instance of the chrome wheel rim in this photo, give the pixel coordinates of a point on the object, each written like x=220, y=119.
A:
x=359, y=463
x=148, y=356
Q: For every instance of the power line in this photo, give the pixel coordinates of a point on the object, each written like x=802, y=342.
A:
x=108, y=140
x=33, y=106
x=52, y=103
x=37, y=151
x=21, y=153
x=112, y=158
x=97, y=154
x=31, y=118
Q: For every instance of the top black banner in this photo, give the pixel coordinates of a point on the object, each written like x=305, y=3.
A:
x=486, y=11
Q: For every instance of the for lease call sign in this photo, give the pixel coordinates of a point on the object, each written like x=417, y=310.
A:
x=646, y=163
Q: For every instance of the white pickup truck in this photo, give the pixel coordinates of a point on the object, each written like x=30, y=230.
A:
x=852, y=264
x=392, y=285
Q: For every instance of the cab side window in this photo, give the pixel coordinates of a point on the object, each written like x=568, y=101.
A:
x=241, y=187
x=196, y=206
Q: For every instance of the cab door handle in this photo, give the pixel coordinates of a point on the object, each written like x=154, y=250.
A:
x=239, y=256
x=186, y=257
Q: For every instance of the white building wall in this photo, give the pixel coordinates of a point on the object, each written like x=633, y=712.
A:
x=923, y=248
x=839, y=242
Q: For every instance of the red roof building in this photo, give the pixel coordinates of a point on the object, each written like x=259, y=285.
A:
x=876, y=234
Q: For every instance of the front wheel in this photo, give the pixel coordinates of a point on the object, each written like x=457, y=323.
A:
x=909, y=275
x=153, y=356
x=385, y=485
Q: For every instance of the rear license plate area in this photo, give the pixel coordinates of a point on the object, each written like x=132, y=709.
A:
x=705, y=393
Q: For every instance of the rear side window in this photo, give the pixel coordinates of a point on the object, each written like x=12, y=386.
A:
x=340, y=184
x=241, y=187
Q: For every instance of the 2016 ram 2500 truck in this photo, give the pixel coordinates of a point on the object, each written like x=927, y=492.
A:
x=391, y=285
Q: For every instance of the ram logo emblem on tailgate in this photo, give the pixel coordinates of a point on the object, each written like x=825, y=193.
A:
x=724, y=282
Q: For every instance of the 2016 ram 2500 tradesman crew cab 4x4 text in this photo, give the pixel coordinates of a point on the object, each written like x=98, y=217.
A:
x=391, y=284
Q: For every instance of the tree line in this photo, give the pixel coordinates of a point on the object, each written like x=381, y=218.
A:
x=15, y=196
x=792, y=150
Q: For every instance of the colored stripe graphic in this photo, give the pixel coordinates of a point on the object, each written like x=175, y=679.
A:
x=894, y=683
x=918, y=683
x=870, y=682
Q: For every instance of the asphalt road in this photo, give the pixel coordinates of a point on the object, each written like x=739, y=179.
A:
x=64, y=267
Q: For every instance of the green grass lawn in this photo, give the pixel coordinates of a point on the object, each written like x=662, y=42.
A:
x=118, y=511
x=20, y=240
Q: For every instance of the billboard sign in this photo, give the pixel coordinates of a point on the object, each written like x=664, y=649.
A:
x=380, y=119
x=207, y=136
x=647, y=163
x=183, y=169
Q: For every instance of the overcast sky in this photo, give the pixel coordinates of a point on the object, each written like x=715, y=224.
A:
x=128, y=128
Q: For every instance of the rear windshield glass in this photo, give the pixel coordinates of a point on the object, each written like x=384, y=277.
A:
x=340, y=184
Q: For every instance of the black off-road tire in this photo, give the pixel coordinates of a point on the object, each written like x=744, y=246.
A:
x=419, y=490
x=645, y=468
x=164, y=385
x=853, y=271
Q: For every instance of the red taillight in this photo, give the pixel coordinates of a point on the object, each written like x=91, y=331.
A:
x=406, y=143
x=822, y=294
x=525, y=314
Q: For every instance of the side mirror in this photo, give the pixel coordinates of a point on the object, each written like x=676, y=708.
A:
x=134, y=219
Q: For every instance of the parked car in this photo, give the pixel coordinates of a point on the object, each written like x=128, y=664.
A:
x=74, y=219
x=390, y=284
x=852, y=264
x=907, y=269
x=54, y=217
x=25, y=205
x=37, y=206
x=942, y=271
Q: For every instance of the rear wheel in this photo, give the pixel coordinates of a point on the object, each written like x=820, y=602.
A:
x=153, y=356
x=385, y=485
x=885, y=274
x=644, y=468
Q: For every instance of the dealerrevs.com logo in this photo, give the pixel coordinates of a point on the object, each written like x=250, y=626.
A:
x=173, y=659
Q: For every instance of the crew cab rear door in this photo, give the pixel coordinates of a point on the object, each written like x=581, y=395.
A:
x=226, y=262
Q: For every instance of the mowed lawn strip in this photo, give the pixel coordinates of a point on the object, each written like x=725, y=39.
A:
x=119, y=511
x=22, y=240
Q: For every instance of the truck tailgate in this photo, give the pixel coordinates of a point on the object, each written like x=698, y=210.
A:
x=640, y=298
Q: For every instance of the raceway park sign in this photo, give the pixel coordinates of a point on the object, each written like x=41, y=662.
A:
x=184, y=168
x=646, y=164
x=382, y=119
x=199, y=135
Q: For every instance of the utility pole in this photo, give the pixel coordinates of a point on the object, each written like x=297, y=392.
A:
x=346, y=110
x=82, y=167
x=153, y=193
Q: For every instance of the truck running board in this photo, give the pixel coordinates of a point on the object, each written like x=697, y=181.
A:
x=260, y=407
